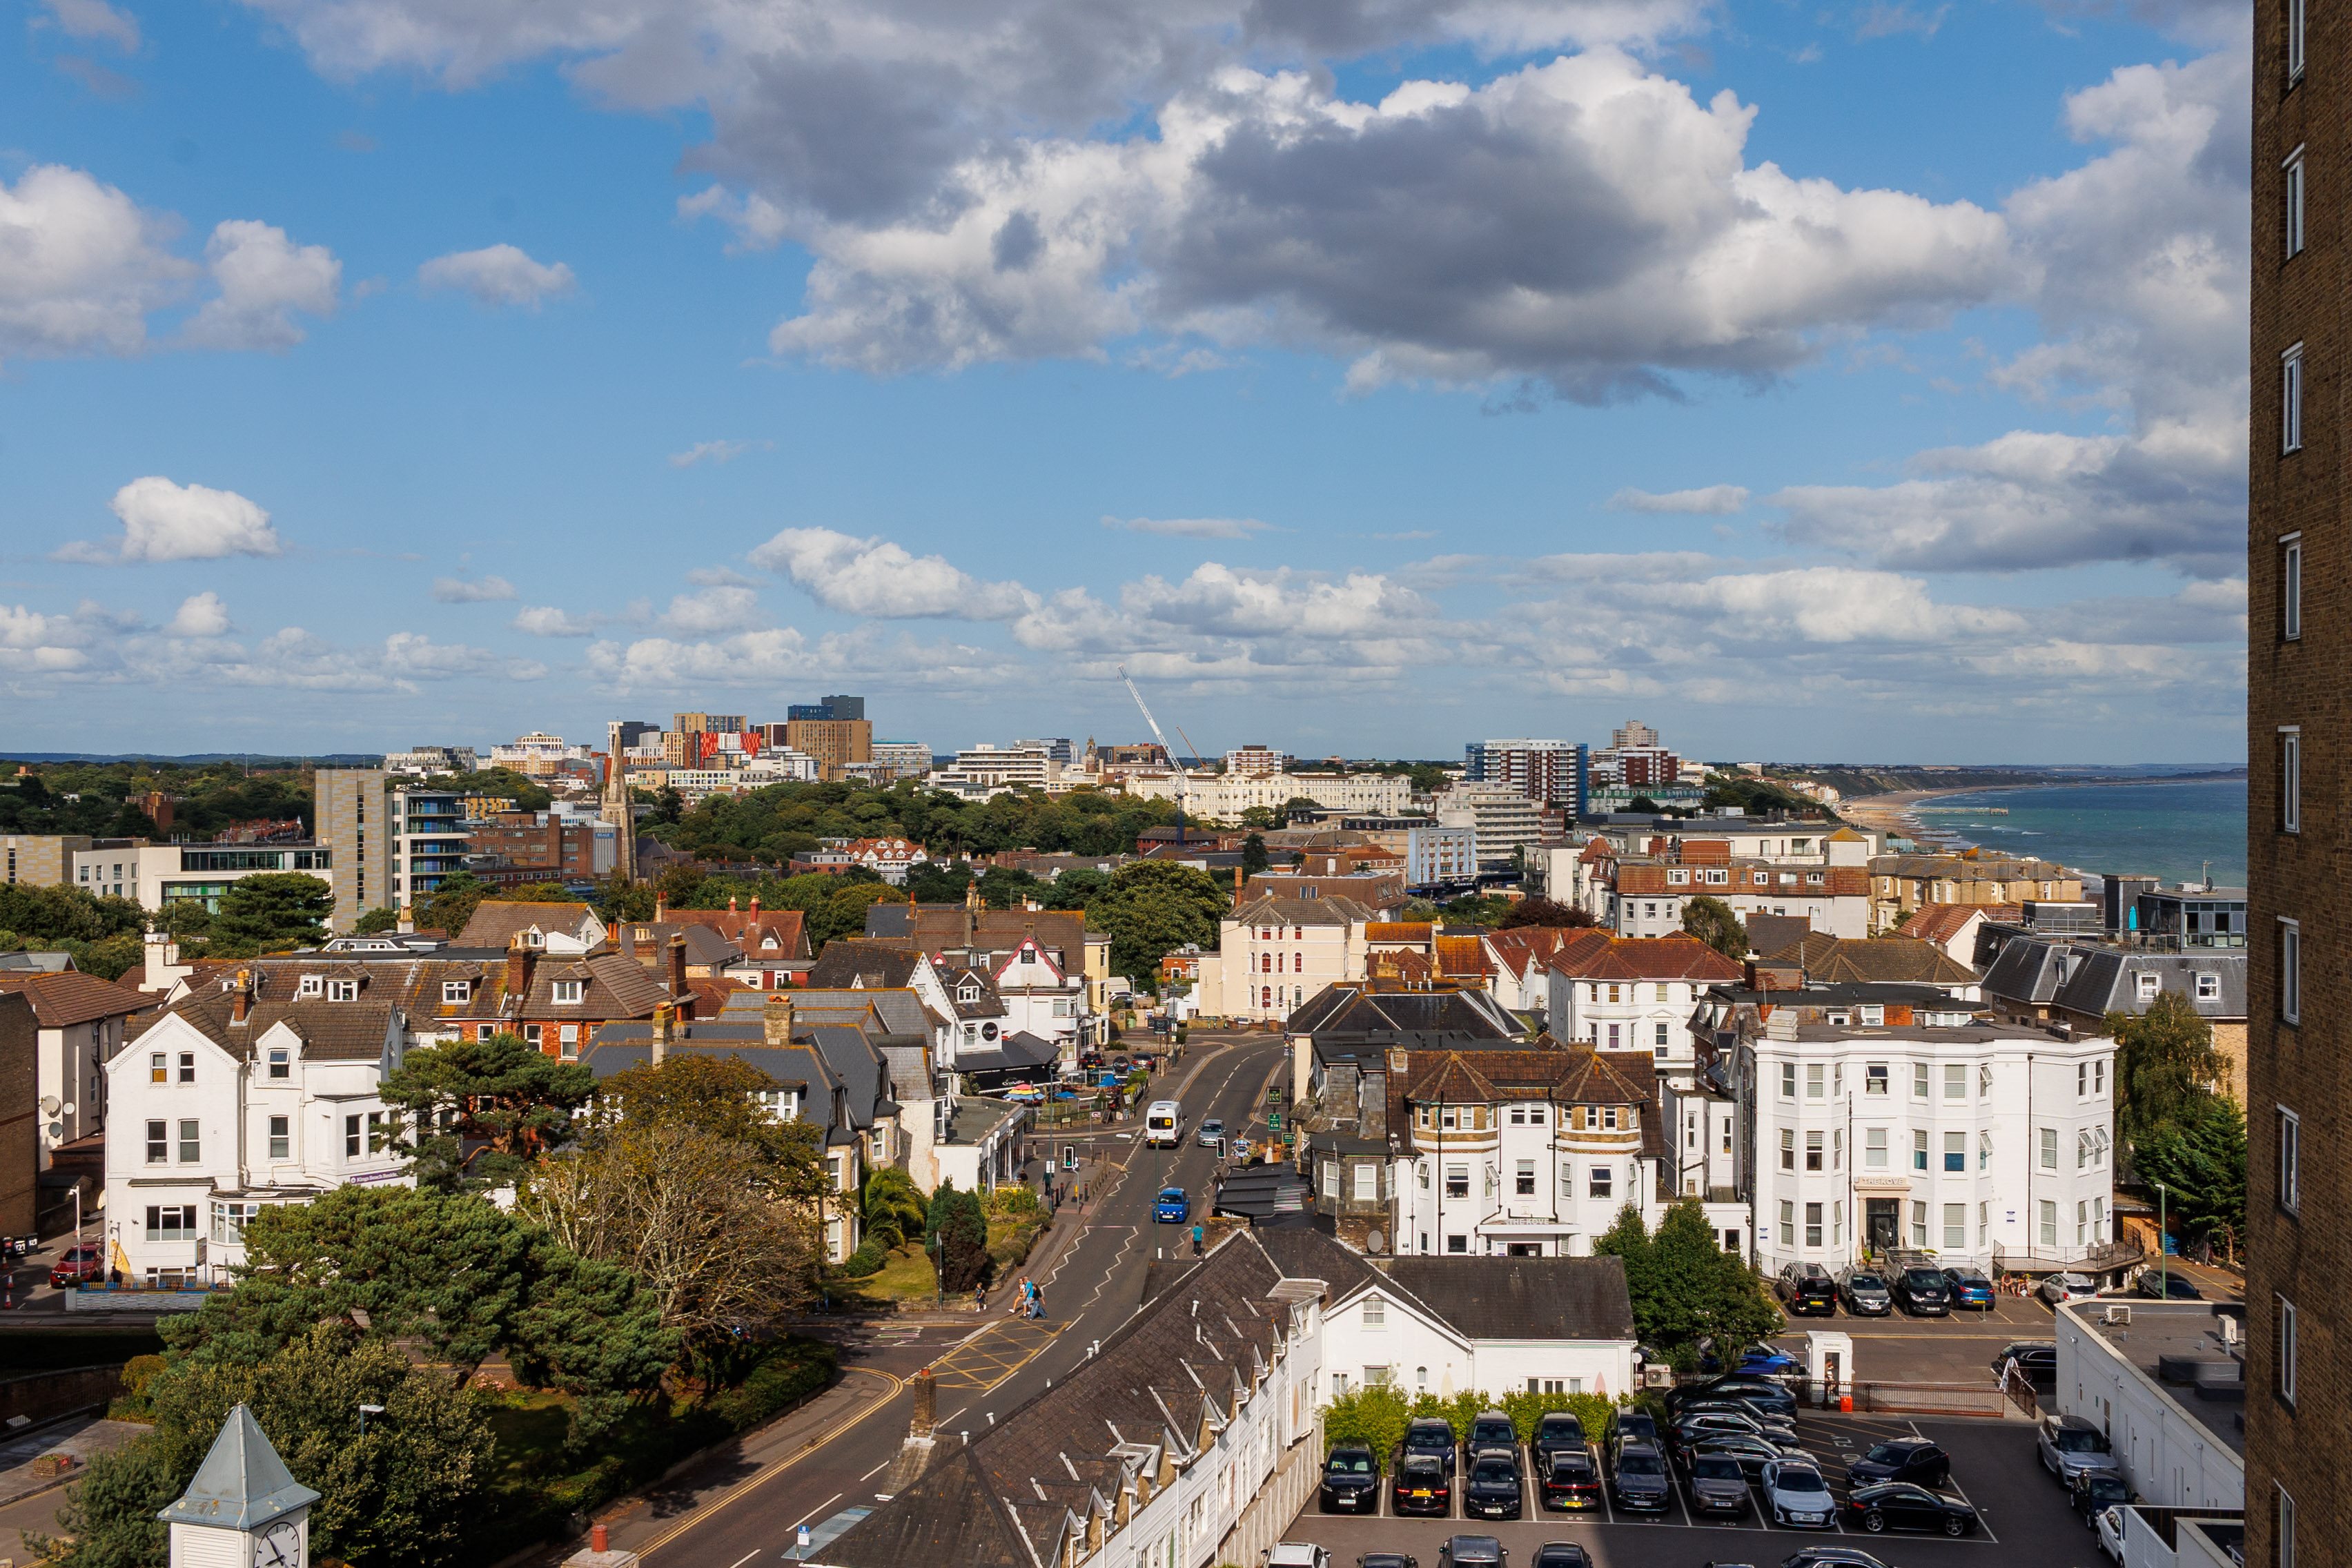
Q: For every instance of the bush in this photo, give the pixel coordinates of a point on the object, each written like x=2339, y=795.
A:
x=795, y=1372
x=1016, y=1198
x=1374, y=1416
x=867, y=1260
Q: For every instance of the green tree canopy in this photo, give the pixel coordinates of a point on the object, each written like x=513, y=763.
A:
x=893, y=1208
x=502, y=1095
x=1545, y=913
x=1476, y=909
x=1716, y=924
x=2201, y=1157
x=2165, y=1065
x=1254, y=856
x=955, y=1234
x=1152, y=908
x=375, y=921
x=270, y=913
x=1683, y=1286
x=716, y=1095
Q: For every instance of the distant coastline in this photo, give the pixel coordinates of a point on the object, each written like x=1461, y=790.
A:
x=1896, y=813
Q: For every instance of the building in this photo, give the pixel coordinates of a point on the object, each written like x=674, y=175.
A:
x=1648, y=896
x=161, y=875
x=357, y=830
x=1437, y=857
x=40, y=859
x=21, y=1157
x=2177, y=1439
x=431, y=761
x=537, y=755
x=1222, y=797
x=1634, y=763
x=1443, y=1326
x=79, y=1021
x=1047, y=971
x=989, y=766
x=1634, y=993
x=1951, y=929
x=899, y=759
x=519, y=848
x=1256, y=760
x=1902, y=883
x=834, y=742
x=1275, y=953
x=2072, y=984
x=1507, y=823
x=1557, y=772
x=431, y=839
x=829, y=710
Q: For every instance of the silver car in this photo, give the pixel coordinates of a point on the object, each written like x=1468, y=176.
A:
x=2070, y=1447
x=2060, y=1288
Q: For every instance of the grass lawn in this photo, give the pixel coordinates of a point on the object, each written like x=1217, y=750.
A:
x=906, y=1279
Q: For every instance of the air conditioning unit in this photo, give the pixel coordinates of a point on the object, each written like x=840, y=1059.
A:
x=2115, y=1315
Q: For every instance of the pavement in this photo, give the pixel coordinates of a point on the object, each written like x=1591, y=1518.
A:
x=31, y=1492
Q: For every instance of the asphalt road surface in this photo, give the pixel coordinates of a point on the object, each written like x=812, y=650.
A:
x=1092, y=1286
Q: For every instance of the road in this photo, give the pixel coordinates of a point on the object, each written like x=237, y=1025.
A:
x=1093, y=1283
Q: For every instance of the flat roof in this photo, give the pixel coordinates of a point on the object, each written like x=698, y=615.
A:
x=2173, y=1329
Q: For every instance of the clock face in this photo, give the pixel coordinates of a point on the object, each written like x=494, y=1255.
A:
x=279, y=1546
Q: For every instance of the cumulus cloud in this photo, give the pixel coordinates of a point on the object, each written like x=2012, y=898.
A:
x=498, y=275
x=480, y=591
x=882, y=579
x=1190, y=527
x=200, y=616
x=162, y=521
x=85, y=266
x=262, y=279
x=717, y=452
x=94, y=20
x=712, y=610
x=1714, y=501
x=548, y=621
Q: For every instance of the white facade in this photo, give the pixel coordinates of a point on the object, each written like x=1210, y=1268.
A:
x=1376, y=1334
x=1661, y=914
x=1273, y=956
x=2170, y=1456
x=1963, y=1142
x=1650, y=1015
x=1434, y=854
x=1540, y=1179
x=1040, y=999
x=782, y=765
x=1226, y=795
x=538, y=754
x=1261, y=760
x=158, y=874
x=1502, y=818
x=429, y=842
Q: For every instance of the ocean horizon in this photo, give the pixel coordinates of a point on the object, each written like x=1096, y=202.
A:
x=2181, y=832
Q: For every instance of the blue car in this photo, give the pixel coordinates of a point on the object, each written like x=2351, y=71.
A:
x=1172, y=1206
x=1760, y=1360
x=1970, y=1289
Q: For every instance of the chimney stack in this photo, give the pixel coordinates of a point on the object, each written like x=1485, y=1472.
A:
x=755, y=909
x=1237, y=887
x=776, y=1019
x=678, y=967
x=518, y=959
x=661, y=905
x=730, y=903
x=926, y=1404
x=664, y=1013
x=241, y=997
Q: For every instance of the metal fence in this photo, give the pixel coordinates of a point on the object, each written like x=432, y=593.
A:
x=1928, y=1398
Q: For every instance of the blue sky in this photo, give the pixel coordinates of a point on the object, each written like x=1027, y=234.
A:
x=1813, y=381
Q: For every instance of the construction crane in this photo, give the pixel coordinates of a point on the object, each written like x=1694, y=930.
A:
x=1183, y=784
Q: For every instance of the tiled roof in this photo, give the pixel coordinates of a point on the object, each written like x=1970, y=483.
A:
x=850, y=961
x=1462, y=958
x=62, y=999
x=757, y=933
x=495, y=922
x=330, y=1031
x=1675, y=957
x=616, y=987
x=1398, y=931
x=1522, y=946
x=1939, y=924
x=1882, y=960
x=1268, y=910
x=1519, y=1297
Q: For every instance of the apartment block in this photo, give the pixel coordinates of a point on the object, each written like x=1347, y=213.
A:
x=355, y=825
x=40, y=859
x=834, y=742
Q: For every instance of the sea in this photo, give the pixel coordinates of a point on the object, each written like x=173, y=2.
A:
x=2180, y=831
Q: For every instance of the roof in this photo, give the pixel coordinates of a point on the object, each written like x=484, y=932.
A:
x=495, y=922
x=1268, y=908
x=614, y=987
x=242, y=1484
x=899, y=1009
x=1398, y=931
x=1355, y=1010
x=1677, y=957
x=757, y=932
x=937, y=928
x=2093, y=978
x=1972, y=866
x=1939, y=924
x=1877, y=960
x=1518, y=1298
x=329, y=1031
x=1522, y=946
x=61, y=999
x=1771, y=934
x=848, y=961
x=648, y=941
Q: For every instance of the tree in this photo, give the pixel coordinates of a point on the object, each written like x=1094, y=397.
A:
x=1545, y=913
x=621, y=901
x=270, y=913
x=1299, y=806
x=893, y=1209
x=451, y=903
x=1254, y=856
x=1683, y=1286
x=955, y=1233
x=1477, y=909
x=1716, y=924
x=2201, y=1157
x=718, y=1095
x=2166, y=1066
x=539, y=893
x=1642, y=803
x=375, y=921
x=938, y=882
x=502, y=1095
x=1374, y=1414
x=1152, y=908
x=1077, y=889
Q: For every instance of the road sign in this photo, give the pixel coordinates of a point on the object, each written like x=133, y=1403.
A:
x=1274, y=1120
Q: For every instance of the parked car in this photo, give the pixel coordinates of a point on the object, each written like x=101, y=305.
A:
x=1631, y=1426
x=2037, y=1360
x=1970, y=1289
x=1470, y=1552
x=2069, y=1446
x=1568, y=1482
x=1298, y=1554
x=1779, y=1428
x=1212, y=1134
x=1492, y=1429
x=2110, y=1529
x=1637, y=1474
x=1388, y=1560
x=1913, y=1459
x=1430, y=1436
x=1898, y=1505
x=1795, y=1494
x=1171, y=1208
x=1922, y=1292
x=1764, y=1392
x=1559, y=1432
x=1494, y=1489
x=2093, y=1492
x=1806, y=1288
x=1863, y=1292
x=1351, y=1480
x=2168, y=1286
x=1561, y=1554
x=1716, y=1484
x=78, y=1266
x=1826, y=1556
x=1701, y=1426
x=1752, y=1454
x=1423, y=1483
x=2060, y=1288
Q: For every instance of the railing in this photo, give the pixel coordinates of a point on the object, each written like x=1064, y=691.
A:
x=2099, y=1257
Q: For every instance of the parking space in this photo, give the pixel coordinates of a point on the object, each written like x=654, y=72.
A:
x=1903, y=1349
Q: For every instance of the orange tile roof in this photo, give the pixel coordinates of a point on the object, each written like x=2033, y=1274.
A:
x=1675, y=957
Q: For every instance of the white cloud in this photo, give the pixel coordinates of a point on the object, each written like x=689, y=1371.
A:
x=85, y=266
x=879, y=578
x=720, y=578
x=713, y=610
x=548, y=621
x=717, y=452
x=498, y=275
x=162, y=521
x=759, y=224
x=1714, y=501
x=1190, y=527
x=1886, y=19
x=1221, y=599
x=200, y=616
x=262, y=279
x=480, y=591
x=95, y=20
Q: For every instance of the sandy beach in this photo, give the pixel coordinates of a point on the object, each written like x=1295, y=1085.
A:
x=1894, y=813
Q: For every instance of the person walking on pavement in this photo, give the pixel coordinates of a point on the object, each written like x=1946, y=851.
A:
x=1196, y=1241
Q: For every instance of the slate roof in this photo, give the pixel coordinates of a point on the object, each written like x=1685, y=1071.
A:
x=615, y=987
x=2095, y=979
x=329, y=1031
x=63, y=999
x=1773, y=936
x=900, y=1010
x=648, y=941
x=1877, y=960
x=1266, y=908
x=616, y=1048
x=847, y=962
x=1519, y=1298
x=1354, y=1009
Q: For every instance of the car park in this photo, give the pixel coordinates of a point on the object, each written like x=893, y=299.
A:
x=1638, y=1478
x=1970, y=1289
x=1795, y=1494
x=1779, y=1429
x=2110, y=1528
x=1212, y=1134
x=1899, y=1505
x=2069, y=1446
x=1914, y=1460
x=1716, y=1484
x=1765, y=1393
x=2093, y=1492
x=2168, y=1286
x=1558, y=1432
x=1351, y=1480
x=1491, y=1429
x=1171, y=1206
x=2037, y=1361
x=1422, y=1484
x=1922, y=1292
x=2060, y=1289
x=1864, y=1293
x=1561, y=1554
x=1470, y=1552
x=1752, y=1454
x=1806, y=1288
x=1493, y=1490
x=1568, y=1482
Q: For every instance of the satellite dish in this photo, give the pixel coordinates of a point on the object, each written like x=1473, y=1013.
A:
x=69, y=1108
x=57, y=1131
x=1371, y=1241
x=48, y=1105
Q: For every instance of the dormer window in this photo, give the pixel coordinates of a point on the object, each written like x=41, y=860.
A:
x=280, y=1063
x=312, y=986
x=568, y=991
x=967, y=993
x=456, y=993
x=532, y=939
x=2149, y=982
x=343, y=990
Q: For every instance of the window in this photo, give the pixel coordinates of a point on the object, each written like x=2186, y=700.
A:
x=2082, y=1222
x=280, y=1067
x=1787, y=1223
x=1918, y=1081
x=1788, y=1149
x=1874, y=1148
x=2290, y=784
x=2282, y=1349
x=1523, y=1180
x=2283, y=1520
x=281, y=1141
x=351, y=1144
x=1874, y=1014
x=343, y=990
x=187, y=1067
x=455, y=992
x=2290, y=971
x=2098, y=1079
x=172, y=1220
x=1813, y=1151
x=2295, y=63
x=192, y=1143
x=1457, y=1180
x=1600, y=1185
x=1837, y=1224
x=1457, y=1244
x=1661, y=1043
x=1837, y=1149
x=156, y=1070
x=1814, y=1080
x=1874, y=1079
x=1812, y=1225
x=158, y=1143
x=1612, y=1035
x=2290, y=1160
x=312, y=985
x=1919, y=1151
x=229, y=1220
x=1376, y=1312
x=568, y=991
x=1984, y=1225
x=1788, y=1080
x=2294, y=194
x=2049, y=1222
x=1955, y=1151
x=1956, y=1081
x=2209, y=988
x=1919, y=1222
x=1955, y=1227
x=2291, y=587
x=2291, y=399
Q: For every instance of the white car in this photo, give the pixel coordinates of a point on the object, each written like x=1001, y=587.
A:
x=2110, y=1526
x=1795, y=1494
x=2060, y=1288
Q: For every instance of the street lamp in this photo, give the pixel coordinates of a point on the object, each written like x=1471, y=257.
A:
x=2163, y=1274
x=366, y=1411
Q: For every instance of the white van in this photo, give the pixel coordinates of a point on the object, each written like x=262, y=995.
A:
x=1164, y=1125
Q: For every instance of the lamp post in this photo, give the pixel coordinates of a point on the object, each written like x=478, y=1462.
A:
x=366, y=1411
x=2163, y=1267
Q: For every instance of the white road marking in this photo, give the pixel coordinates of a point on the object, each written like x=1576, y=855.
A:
x=745, y=1558
x=875, y=1470
x=815, y=1511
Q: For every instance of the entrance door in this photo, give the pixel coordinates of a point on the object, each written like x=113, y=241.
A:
x=1523, y=1249
x=1885, y=1220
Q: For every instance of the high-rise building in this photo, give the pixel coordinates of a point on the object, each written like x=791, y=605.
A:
x=1061, y=749
x=40, y=859
x=355, y=823
x=834, y=742
x=430, y=840
x=1557, y=772
x=629, y=733
x=845, y=710
x=2299, y=737
x=709, y=723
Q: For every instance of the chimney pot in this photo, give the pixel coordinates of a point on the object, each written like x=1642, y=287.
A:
x=664, y=1014
x=776, y=1019
x=241, y=1001
x=599, y=1540
x=678, y=967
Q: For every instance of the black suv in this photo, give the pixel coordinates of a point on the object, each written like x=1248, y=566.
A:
x=1923, y=1292
x=1351, y=1480
x=1637, y=1474
x=1806, y=1288
x=1422, y=1484
x=1493, y=1490
x=1764, y=1392
x=1430, y=1436
x=1913, y=1459
x=1568, y=1480
x=1492, y=1429
x=1629, y=1426
x=1560, y=1432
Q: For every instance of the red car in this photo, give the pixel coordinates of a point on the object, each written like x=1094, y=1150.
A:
x=79, y=1265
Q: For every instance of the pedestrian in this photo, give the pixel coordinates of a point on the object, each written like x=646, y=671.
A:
x=1196, y=1241
x=1037, y=1303
x=980, y=1297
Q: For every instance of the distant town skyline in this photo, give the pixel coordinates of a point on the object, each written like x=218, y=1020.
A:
x=1851, y=380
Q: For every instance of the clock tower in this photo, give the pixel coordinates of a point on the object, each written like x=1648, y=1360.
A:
x=244, y=1508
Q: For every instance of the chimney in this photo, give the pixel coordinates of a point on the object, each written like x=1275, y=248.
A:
x=518, y=959
x=241, y=997
x=664, y=1014
x=661, y=905
x=730, y=903
x=678, y=967
x=776, y=1019
x=927, y=1405
x=755, y=909
x=1237, y=887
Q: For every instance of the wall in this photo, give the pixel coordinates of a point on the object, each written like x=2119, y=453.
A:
x=19, y=1126
x=2170, y=1456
